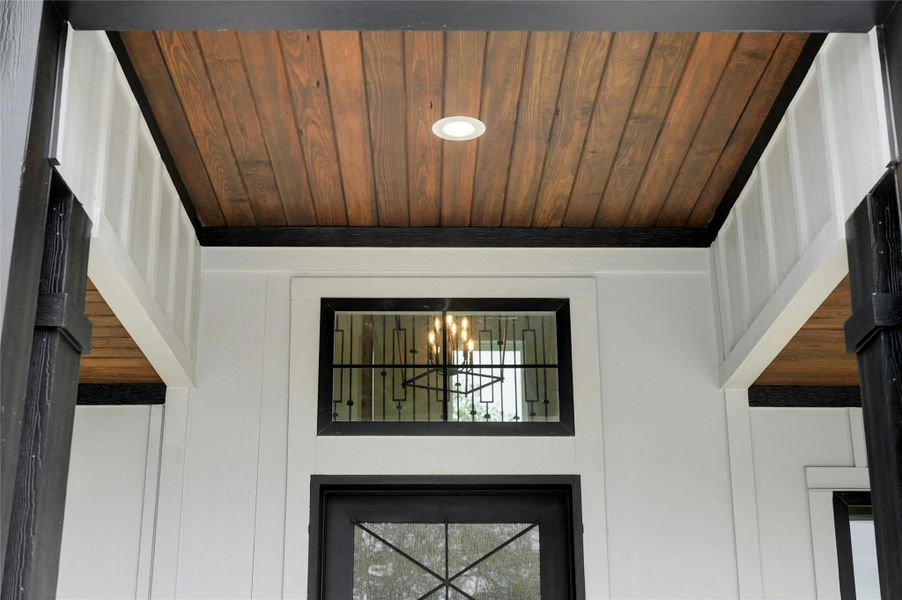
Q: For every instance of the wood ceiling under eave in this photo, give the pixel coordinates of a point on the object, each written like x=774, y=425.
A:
x=817, y=355
x=587, y=129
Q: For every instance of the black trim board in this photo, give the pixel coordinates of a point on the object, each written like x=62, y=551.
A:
x=556, y=15
x=457, y=237
x=115, y=394
x=804, y=396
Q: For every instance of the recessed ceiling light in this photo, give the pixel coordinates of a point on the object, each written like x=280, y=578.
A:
x=458, y=129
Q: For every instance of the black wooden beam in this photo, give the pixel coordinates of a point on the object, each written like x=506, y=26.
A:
x=27, y=252
x=561, y=15
x=60, y=336
x=457, y=237
x=804, y=396
x=874, y=239
x=115, y=394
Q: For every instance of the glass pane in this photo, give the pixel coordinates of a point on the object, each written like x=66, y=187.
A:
x=424, y=542
x=468, y=542
x=864, y=558
x=380, y=572
x=401, y=366
x=512, y=573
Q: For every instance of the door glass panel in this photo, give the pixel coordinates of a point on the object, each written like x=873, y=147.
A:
x=382, y=572
x=468, y=542
x=511, y=573
x=864, y=556
x=491, y=561
x=424, y=542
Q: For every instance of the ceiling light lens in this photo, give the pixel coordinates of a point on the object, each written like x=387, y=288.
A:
x=458, y=128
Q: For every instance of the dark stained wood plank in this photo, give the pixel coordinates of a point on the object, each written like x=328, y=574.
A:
x=148, y=63
x=222, y=56
x=542, y=76
x=817, y=355
x=662, y=73
x=464, y=53
x=343, y=61
x=424, y=64
x=505, y=55
x=753, y=51
x=579, y=88
x=269, y=85
x=307, y=82
x=628, y=55
x=706, y=64
x=114, y=356
x=742, y=137
x=383, y=63
x=186, y=67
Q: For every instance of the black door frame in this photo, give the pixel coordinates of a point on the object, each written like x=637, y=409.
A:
x=322, y=486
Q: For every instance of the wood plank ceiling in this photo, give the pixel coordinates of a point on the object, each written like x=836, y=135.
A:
x=114, y=356
x=816, y=355
x=584, y=129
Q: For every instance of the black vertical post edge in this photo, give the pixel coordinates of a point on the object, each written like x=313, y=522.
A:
x=874, y=333
x=62, y=333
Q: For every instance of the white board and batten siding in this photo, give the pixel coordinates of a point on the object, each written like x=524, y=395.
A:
x=144, y=259
x=782, y=250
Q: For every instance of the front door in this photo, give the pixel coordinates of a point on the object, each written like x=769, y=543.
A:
x=445, y=541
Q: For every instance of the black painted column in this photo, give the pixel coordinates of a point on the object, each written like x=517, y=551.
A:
x=62, y=333
x=874, y=333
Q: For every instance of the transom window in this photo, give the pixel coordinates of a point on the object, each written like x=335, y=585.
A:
x=445, y=366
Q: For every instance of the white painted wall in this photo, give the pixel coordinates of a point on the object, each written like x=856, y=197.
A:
x=654, y=475
x=782, y=249
x=786, y=441
x=144, y=258
x=112, y=486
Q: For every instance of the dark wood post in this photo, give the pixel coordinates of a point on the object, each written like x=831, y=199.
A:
x=62, y=333
x=874, y=333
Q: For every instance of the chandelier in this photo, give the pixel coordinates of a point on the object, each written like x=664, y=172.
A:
x=451, y=347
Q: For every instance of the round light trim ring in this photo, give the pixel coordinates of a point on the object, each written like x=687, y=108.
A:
x=458, y=128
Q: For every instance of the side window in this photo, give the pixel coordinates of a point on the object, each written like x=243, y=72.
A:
x=856, y=546
x=445, y=367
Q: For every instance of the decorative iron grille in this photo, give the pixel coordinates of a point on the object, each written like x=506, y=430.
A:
x=439, y=362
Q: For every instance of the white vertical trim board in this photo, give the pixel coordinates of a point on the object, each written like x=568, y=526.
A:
x=143, y=248
x=826, y=154
x=745, y=508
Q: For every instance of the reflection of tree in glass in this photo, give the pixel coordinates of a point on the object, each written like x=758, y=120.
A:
x=511, y=573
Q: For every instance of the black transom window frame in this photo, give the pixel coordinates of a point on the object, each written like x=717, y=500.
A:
x=559, y=306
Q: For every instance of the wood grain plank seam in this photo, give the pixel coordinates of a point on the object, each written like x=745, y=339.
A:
x=441, y=148
x=294, y=126
x=604, y=189
x=220, y=202
x=694, y=133
x=247, y=192
x=369, y=128
x=406, y=154
x=664, y=122
x=328, y=97
x=485, y=57
x=732, y=130
x=582, y=148
x=555, y=115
